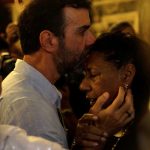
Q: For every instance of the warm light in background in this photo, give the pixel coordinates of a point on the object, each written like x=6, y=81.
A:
x=17, y=7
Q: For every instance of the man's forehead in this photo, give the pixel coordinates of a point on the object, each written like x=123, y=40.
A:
x=77, y=15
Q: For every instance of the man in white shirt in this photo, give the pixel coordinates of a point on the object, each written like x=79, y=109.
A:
x=54, y=36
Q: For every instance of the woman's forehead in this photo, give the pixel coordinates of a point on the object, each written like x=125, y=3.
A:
x=94, y=57
x=97, y=60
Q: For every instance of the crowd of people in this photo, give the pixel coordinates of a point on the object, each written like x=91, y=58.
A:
x=41, y=106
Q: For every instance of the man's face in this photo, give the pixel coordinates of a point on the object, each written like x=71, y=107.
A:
x=100, y=76
x=77, y=37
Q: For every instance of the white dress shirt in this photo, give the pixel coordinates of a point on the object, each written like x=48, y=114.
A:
x=30, y=101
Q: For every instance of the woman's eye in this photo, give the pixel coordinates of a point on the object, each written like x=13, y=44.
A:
x=93, y=75
x=90, y=75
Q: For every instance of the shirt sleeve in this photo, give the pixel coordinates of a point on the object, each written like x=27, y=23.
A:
x=38, y=118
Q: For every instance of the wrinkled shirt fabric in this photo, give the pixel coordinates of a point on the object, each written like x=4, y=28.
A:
x=30, y=101
x=15, y=138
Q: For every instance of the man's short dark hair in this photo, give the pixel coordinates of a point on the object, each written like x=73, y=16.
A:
x=42, y=15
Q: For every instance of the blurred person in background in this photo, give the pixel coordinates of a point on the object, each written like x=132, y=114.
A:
x=12, y=37
x=123, y=27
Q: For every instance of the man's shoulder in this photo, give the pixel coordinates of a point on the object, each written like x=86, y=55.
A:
x=19, y=90
x=17, y=83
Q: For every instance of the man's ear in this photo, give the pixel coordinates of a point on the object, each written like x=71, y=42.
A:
x=48, y=41
x=128, y=74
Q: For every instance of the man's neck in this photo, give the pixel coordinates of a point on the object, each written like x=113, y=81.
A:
x=44, y=64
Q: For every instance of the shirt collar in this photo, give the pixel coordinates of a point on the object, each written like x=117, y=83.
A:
x=48, y=90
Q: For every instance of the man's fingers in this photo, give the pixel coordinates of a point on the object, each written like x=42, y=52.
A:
x=92, y=137
x=99, y=103
x=118, y=100
x=89, y=144
x=89, y=127
x=88, y=139
x=129, y=99
x=88, y=119
x=126, y=112
x=127, y=106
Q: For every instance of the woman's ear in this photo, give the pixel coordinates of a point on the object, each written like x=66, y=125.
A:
x=48, y=41
x=128, y=74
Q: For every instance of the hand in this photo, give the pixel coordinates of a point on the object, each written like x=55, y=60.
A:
x=115, y=116
x=88, y=136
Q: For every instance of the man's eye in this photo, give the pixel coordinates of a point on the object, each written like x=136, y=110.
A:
x=82, y=32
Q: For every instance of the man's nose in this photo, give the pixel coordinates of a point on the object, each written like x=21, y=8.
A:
x=90, y=38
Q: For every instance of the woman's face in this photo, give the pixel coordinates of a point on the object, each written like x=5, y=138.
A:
x=100, y=76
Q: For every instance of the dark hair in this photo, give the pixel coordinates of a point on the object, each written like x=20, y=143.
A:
x=121, y=49
x=40, y=15
x=119, y=27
